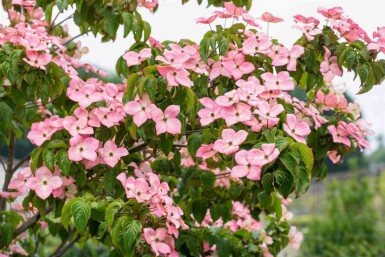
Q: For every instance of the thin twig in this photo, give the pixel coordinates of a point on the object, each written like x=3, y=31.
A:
x=9, y=170
x=69, y=17
x=21, y=162
x=75, y=37
x=26, y=225
x=66, y=248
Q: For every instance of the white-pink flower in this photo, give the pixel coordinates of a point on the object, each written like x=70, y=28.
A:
x=167, y=121
x=43, y=182
x=230, y=141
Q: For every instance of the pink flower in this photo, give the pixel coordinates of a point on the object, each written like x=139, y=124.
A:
x=281, y=81
x=295, y=52
x=208, y=20
x=246, y=166
x=19, y=183
x=205, y=151
x=228, y=99
x=268, y=114
x=295, y=238
x=334, y=13
x=238, y=114
x=92, y=119
x=156, y=240
x=268, y=17
x=306, y=20
x=167, y=121
x=37, y=60
x=173, y=59
x=296, y=129
x=268, y=153
x=83, y=148
x=40, y=132
x=68, y=188
x=219, y=69
x=210, y=113
x=333, y=156
x=340, y=135
x=230, y=141
x=238, y=66
x=107, y=117
x=141, y=109
x=309, y=30
x=252, y=45
x=77, y=126
x=86, y=95
x=175, y=77
x=111, y=154
x=134, y=58
x=44, y=182
x=330, y=63
x=155, y=43
x=135, y=188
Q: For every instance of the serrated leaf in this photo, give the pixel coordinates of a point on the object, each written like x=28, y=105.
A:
x=81, y=212
x=49, y=159
x=6, y=233
x=199, y=209
x=63, y=162
x=194, y=141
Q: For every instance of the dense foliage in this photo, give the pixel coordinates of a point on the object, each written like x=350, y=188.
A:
x=199, y=149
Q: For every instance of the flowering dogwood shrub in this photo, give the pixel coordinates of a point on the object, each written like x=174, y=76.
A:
x=197, y=152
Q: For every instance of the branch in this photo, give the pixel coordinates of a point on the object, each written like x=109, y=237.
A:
x=69, y=17
x=60, y=252
x=26, y=225
x=75, y=37
x=138, y=148
x=9, y=171
x=21, y=162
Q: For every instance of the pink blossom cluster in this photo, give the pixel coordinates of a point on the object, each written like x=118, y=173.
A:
x=44, y=183
x=146, y=187
x=41, y=48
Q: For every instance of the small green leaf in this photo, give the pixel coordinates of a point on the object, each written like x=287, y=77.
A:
x=127, y=21
x=63, y=162
x=194, y=141
x=49, y=159
x=199, y=209
x=6, y=233
x=36, y=159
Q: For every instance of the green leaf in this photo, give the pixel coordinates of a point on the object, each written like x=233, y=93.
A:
x=203, y=48
x=194, y=141
x=223, y=43
x=36, y=159
x=265, y=200
x=66, y=213
x=127, y=21
x=150, y=85
x=208, y=179
x=165, y=144
x=306, y=154
x=302, y=180
x=283, y=182
x=268, y=182
x=282, y=142
x=223, y=247
x=290, y=160
x=111, y=211
x=49, y=159
x=63, y=162
x=81, y=212
x=146, y=31
x=56, y=144
x=5, y=114
x=199, y=209
x=131, y=235
x=6, y=233
x=131, y=84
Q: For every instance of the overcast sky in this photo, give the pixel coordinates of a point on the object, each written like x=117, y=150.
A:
x=174, y=21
